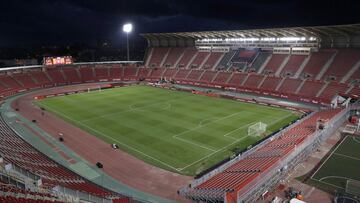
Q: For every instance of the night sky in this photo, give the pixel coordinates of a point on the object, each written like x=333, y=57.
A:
x=30, y=22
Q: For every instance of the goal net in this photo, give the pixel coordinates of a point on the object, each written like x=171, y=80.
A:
x=257, y=129
x=353, y=187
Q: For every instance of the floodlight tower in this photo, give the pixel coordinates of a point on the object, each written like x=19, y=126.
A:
x=127, y=28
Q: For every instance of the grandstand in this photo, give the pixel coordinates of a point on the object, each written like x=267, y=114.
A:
x=305, y=65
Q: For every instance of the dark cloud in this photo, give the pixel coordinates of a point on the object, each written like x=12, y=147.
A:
x=46, y=21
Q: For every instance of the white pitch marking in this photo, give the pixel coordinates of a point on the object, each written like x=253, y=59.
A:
x=312, y=177
x=350, y=157
x=221, y=149
x=132, y=148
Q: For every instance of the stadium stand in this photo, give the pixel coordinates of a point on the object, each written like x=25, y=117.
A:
x=194, y=75
x=213, y=60
x=259, y=61
x=169, y=73
x=270, y=83
x=101, y=72
x=116, y=73
x=72, y=75
x=224, y=63
x=207, y=77
x=174, y=54
x=16, y=151
x=332, y=89
x=181, y=74
x=188, y=54
x=199, y=59
x=293, y=65
x=56, y=76
x=40, y=77
x=87, y=74
x=311, y=88
x=157, y=56
x=317, y=62
x=253, y=81
x=130, y=73
x=274, y=64
x=221, y=78
x=290, y=85
x=24, y=79
x=344, y=60
x=237, y=79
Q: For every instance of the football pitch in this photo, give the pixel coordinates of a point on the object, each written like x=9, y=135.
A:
x=174, y=130
x=342, y=165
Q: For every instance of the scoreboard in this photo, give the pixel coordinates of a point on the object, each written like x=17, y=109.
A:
x=53, y=61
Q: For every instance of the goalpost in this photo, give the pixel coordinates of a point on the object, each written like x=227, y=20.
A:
x=257, y=129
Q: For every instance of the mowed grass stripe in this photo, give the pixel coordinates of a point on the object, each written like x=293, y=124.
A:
x=147, y=122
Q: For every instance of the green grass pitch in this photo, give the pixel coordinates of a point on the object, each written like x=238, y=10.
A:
x=343, y=164
x=174, y=130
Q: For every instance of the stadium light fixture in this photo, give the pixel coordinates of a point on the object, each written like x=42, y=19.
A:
x=127, y=28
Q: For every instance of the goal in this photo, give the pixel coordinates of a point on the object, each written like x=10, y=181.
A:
x=257, y=129
x=353, y=187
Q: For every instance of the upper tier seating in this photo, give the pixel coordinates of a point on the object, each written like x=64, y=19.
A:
x=157, y=56
x=224, y=63
x=187, y=56
x=275, y=62
x=293, y=64
x=259, y=61
x=199, y=59
x=212, y=60
x=317, y=62
x=173, y=56
x=344, y=60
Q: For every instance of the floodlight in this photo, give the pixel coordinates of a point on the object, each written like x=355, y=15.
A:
x=127, y=27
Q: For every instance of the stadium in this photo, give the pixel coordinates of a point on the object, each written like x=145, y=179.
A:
x=213, y=116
